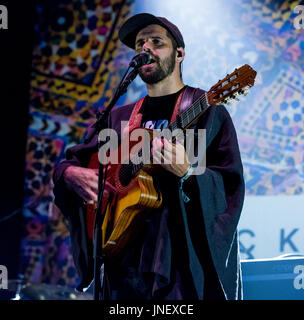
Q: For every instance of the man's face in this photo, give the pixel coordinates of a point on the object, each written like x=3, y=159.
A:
x=154, y=39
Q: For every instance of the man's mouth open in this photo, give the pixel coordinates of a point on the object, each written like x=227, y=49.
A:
x=151, y=64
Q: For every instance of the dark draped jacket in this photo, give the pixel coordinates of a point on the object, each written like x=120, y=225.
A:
x=187, y=250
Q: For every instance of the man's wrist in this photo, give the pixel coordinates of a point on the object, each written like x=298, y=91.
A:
x=187, y=174
x=67, y=177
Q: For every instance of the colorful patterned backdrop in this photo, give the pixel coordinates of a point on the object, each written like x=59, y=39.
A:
x=74, y=72
x=78, y=61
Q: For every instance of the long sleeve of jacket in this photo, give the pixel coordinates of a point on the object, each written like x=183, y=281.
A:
x=218, y=203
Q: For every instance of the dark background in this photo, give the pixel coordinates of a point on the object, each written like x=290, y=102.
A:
x=15, y=62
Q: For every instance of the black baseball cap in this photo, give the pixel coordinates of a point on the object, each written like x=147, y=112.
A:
x=129, y=30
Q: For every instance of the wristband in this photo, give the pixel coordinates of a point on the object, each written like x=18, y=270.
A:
x=187, y=175
x=182, y=180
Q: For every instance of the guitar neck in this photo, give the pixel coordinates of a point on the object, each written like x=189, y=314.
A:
x=192, y=113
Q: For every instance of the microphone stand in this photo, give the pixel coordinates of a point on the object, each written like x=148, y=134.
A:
x=100, y=124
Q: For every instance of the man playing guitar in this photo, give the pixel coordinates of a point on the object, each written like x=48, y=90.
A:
x=187, y=247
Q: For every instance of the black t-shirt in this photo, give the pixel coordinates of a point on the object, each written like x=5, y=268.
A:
x=157, y=111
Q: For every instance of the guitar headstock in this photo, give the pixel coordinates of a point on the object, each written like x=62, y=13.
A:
x=232, y=85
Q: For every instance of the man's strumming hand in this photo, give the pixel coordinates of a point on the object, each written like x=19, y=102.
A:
x=172, y=157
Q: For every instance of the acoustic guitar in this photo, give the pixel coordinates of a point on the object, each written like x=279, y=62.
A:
x=133, y=195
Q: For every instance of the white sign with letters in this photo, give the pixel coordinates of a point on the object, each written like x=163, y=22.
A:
x=271, y=226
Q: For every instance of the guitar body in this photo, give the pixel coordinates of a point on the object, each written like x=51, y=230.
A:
x=125, y=205
x=131, y=209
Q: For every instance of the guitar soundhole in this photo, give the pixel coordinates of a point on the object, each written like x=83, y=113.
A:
x=125, y=174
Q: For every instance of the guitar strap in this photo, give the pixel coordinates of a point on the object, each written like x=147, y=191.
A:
x=183, y=101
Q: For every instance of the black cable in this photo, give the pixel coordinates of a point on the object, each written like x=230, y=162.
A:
x=9, y=216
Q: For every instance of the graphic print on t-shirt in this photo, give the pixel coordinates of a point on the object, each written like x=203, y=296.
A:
x=158, y=111
x=156, y=124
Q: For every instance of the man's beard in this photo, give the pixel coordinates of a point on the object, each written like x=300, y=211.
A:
x=163, y=69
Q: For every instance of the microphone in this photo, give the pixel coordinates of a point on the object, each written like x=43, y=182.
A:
x=141, y=59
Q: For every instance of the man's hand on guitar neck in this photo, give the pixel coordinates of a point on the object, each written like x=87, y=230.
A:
x=172, y=157
x=83, y=181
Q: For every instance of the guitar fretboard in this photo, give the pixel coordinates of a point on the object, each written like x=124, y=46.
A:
x=186, y=117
